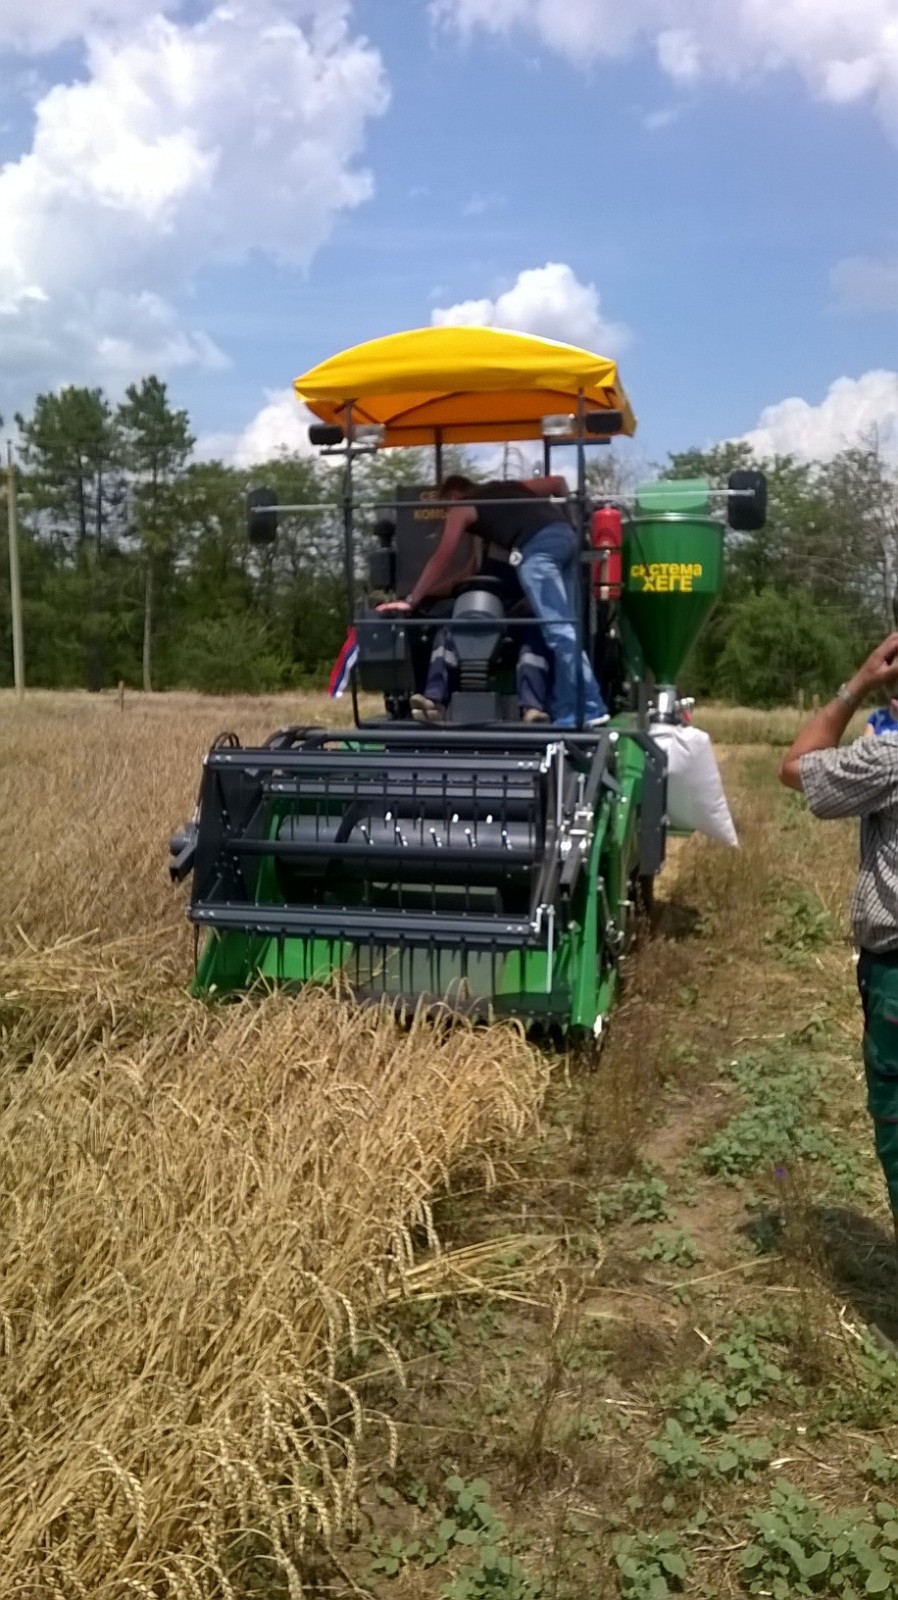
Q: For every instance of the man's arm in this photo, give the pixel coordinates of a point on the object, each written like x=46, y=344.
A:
x=823, y=732
x=827, y=726
x=446, y=566
x=546, y=487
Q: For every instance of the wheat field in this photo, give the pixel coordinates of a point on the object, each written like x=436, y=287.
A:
x=202, y=1208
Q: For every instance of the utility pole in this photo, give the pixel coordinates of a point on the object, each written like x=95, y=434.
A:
x=15, y=580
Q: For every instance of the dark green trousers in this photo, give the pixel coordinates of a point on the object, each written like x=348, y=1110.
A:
x=877, y=978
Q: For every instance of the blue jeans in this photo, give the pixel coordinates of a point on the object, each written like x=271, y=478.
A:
x=549, y=577
x=533, y=669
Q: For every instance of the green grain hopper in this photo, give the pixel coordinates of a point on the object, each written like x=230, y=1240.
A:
x=673, y=573
x=482, y=865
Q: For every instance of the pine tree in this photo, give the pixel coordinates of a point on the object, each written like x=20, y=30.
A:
x=156, y=444
x=71, y=451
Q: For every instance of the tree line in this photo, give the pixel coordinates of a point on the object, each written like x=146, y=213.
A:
x=810, y=594
x=136, y=566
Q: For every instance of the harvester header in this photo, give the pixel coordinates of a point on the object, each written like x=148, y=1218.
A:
x=488, y=861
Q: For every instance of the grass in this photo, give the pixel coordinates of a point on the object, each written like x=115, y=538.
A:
x=648, y=1354
x=741, y=725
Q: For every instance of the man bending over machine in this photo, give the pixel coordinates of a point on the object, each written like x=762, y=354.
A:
x=539, y=542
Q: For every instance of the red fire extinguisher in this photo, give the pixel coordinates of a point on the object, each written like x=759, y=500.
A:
x=607, y=537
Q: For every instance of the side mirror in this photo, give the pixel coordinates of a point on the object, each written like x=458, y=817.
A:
x=604, y=424
x=747, y=511
x=325, y=433
x=261, y=516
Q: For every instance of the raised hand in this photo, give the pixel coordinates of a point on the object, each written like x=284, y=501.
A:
x=879, y=669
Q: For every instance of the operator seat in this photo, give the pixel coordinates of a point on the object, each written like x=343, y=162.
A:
x=393, y=658
x=478, y=601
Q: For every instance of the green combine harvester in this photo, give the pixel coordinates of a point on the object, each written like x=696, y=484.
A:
x=480, y=864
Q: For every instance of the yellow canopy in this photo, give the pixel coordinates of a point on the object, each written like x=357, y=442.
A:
x=463, y=385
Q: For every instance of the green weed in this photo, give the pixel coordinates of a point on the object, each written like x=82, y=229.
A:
x=391, y=1556
x=686, y=1458
x=701, y=1404
x=650, y=1566
x=803, y=925
x=495, y=1577
x=674, y=1249
x=799, y=1549
x=781, y=1121
x=871, y=1399
x=743, y=1374
x=641, y=1199
x=468, y=1527
x=880, y=1468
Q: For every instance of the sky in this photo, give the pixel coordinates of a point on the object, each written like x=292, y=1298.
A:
x=226, y=195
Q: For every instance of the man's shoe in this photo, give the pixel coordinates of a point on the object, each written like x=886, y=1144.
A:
x=532, y=714
x=598, y=722
x=424, y=710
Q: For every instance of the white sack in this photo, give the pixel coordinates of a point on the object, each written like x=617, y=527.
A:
x=695, y=798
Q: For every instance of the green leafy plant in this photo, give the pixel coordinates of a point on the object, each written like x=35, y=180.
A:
x=701, y=1405
x=468, y=1520
x=803, y=925
x=686, y=1458
x=392, y=1555
x=880, y=1468
x=468, y=1527
x=749, y=1373
x=780, y=1121
x=422, y=1327
x=674, y=1249
x=871, y=1400
x=641, y=1199
x=494, y=1577
x=744, y=1373
x=799, y=1549
x=650, y=1566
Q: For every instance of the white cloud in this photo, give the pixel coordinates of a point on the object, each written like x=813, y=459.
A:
x=663, y=117
x=280, y=427
x=679, y=55
x=549, y=301
x=866, y=283
x=33, y=26
x=578, y=29
x=183, y=145
x=480, y=204
x=846, y=50
x=854, y=410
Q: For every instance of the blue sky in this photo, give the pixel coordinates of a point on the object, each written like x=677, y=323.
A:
x=711, y=217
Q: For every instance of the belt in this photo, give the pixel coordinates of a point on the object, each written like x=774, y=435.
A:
x=519, y=544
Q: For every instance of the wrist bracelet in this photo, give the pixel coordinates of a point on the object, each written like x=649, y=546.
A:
x=850, y=699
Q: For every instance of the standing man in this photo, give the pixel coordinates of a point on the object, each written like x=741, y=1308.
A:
x=543, y=547
x=862, y=781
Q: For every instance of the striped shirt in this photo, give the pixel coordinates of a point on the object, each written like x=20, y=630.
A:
x=861, y=780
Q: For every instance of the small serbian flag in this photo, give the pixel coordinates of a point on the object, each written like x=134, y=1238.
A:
x=343, y=666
